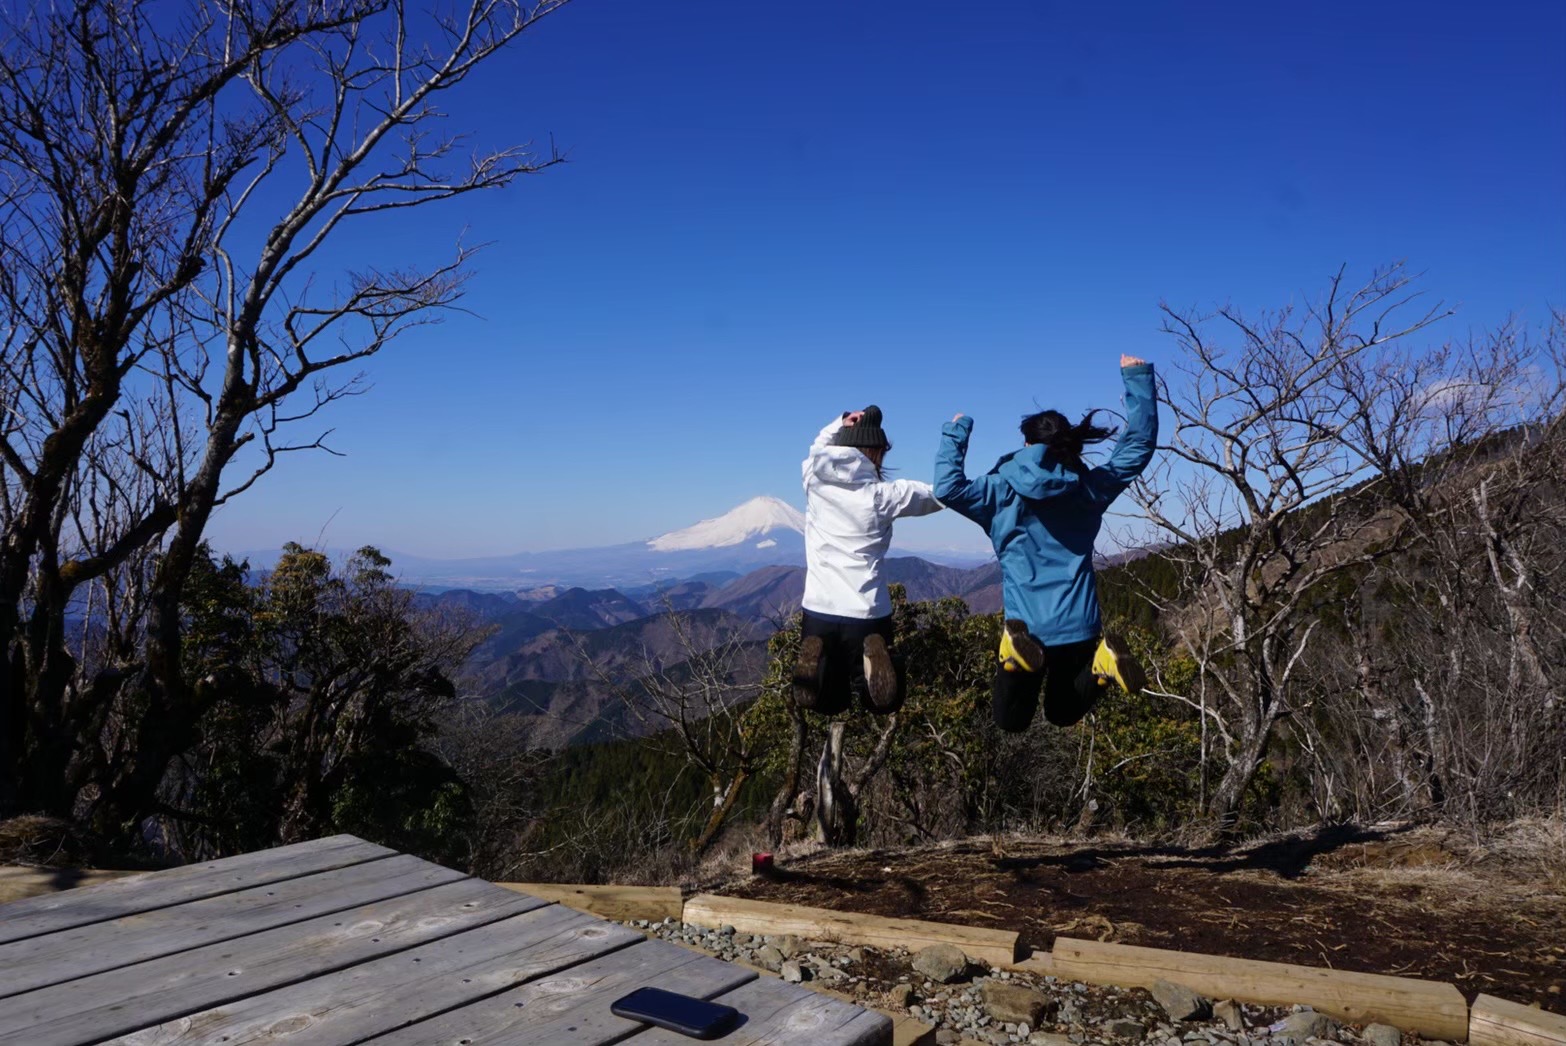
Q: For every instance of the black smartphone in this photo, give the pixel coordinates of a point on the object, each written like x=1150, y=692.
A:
x=697, y=1018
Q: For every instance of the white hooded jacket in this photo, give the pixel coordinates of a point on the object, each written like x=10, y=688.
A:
x=848, y=525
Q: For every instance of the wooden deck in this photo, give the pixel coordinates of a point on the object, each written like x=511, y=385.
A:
x=340, y=941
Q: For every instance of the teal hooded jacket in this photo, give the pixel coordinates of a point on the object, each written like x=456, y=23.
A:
x=1043, y=517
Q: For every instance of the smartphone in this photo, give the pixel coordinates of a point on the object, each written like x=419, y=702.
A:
x=697, y=1018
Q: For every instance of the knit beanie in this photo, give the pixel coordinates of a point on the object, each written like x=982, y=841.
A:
x=867, y=434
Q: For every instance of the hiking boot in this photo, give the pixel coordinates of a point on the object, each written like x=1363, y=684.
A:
x=1114, y=661
x=1019, y=651
x=809, y=672
x=880, y=676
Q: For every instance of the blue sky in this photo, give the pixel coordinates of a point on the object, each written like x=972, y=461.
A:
x=772, y=214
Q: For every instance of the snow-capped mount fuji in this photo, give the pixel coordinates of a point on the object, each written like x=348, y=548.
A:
x=761, y=532
x=757, y=523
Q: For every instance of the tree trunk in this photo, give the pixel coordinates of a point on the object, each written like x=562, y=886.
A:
x=1230, y=793
x=790, y=789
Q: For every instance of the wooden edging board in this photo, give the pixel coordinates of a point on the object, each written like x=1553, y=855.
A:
x=1497, y=1022
x=996, y=947
x=609, y=902
x=1434, y=1009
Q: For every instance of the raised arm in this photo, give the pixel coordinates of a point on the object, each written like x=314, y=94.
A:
x=828, y=433
x=976, y=498
x=1135, y=447
x=906, y=497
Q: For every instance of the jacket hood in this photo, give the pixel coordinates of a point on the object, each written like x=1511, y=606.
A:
x=1032, y=474
x=843, y=467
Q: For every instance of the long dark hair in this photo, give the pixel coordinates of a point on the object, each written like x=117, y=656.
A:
x=1063, y=439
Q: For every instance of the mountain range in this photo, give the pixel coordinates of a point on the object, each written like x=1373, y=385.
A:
x=571, y=632
x=762, y=532
x=561, y=658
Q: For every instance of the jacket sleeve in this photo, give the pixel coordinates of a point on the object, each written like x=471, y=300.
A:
x=1134, y=450
x=822, y=441
x=906, y=497
x=976, y=498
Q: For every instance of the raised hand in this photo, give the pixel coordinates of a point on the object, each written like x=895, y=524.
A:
x=852, y=417
x=957, y=417
x=1130, y=361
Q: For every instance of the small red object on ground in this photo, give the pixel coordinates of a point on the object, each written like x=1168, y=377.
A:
x=760, y=864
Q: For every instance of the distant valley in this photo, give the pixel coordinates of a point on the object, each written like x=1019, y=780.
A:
x=557, y=655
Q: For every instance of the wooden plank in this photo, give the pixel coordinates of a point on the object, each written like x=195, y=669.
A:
x=610, y=902
x=571, y=1008
x=148, y=890
x=1433, y=1009
x=1498, y=1022
x=774, y=1012
x=905, y=1030
x=385, y=994
x=83, y=950
x=18, y=881
x=121, y=1001
x=996, y=947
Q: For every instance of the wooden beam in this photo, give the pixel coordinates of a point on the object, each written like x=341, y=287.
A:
x=996, y=947
x=609, y=902
x=1497, y=1022
x=1433, y=1009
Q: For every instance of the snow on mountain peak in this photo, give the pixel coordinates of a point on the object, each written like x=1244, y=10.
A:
x=754, y=519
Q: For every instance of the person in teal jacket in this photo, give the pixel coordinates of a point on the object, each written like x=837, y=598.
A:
x=1042, y=507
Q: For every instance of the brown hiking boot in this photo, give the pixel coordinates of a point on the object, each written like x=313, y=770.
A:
x=808, y=672
x=880, y=676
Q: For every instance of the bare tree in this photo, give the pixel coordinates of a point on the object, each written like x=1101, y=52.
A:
x=1254, y=494
x=1459, y=651
x=166, y=185
x=696, y=701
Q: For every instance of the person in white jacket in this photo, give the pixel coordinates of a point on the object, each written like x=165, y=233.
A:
x=849, y=509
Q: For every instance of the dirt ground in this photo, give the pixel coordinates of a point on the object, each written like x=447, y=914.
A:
x=1489, y=917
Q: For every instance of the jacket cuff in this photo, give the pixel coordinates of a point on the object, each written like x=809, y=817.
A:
x=958, y=429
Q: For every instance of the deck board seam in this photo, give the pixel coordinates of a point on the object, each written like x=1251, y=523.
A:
x=4, y=995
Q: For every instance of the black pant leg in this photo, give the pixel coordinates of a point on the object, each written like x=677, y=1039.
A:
x=1015, y=699
x=835, y=690
x=1073, y=689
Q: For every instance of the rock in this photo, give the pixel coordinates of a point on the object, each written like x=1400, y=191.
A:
x=941, y=963
x=1014, y=1004
x=1045, y=1038
x=1126, y=1029
x=1383, y=1035
x=769, y=956
x=792, y=972
x=1228, y=1011
x=1308, y=1024
x=900, y=996
x=788, y=945
x=1180, y=1002
x=947, y=1037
